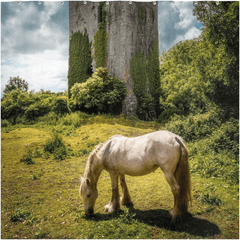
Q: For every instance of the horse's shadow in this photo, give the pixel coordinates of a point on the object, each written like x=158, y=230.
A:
x=162, y=219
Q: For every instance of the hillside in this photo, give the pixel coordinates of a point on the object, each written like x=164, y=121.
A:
x=41, y=200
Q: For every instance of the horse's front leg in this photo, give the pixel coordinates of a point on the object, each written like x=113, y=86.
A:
x=114, y=202
x=125, y=199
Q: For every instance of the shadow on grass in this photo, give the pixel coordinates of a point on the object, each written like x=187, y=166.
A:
x=162, y=219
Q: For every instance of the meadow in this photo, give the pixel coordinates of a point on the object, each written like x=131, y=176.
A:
x=40, y=188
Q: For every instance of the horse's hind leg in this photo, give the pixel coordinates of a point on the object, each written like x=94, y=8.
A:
x=125, y=199
x=176, y=193
x=114, y=202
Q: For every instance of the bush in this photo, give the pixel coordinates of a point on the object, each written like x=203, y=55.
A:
x=73, y=119
x=100, y=93
x=56, y=146
x=218, y=154
x=39, y=108
x=195, y=127
x=60, y=105
x=5, y=123
x=27, y=158
x=51, y=118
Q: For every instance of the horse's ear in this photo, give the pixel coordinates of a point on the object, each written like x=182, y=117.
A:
x=88, y=182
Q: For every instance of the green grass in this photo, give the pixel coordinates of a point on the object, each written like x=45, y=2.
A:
x=41, y=200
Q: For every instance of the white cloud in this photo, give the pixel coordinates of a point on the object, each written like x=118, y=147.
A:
x=176, y=23
x=42, y=70
x=192, y=33
x=35, y=45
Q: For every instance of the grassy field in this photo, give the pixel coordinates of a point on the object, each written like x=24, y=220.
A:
x=41, y=200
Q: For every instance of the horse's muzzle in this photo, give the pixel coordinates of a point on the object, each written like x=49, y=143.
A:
x=90, y=212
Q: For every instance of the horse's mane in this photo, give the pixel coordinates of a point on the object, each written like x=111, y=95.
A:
x=90, y=159
x=94, y=153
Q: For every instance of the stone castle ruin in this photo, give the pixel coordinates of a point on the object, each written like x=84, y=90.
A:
x=131, y=27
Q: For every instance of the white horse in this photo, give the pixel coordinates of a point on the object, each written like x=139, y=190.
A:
x=136, y=157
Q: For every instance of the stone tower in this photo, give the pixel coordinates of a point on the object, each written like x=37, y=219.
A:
x=131, y=27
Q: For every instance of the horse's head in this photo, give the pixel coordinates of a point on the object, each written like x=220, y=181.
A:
x=89, y=194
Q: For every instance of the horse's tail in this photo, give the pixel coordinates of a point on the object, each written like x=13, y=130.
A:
x=182, y=175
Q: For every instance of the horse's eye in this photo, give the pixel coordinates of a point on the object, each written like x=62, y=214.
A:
x=88, y=195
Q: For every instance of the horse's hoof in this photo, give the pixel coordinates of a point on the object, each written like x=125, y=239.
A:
x=125, y=202
x=177, y=219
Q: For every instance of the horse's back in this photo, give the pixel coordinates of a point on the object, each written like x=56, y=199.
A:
x=139, y=155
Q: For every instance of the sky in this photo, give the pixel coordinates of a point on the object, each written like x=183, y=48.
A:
x=35, y=39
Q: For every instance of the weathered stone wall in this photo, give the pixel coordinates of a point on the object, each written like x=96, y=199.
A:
x=132, y=27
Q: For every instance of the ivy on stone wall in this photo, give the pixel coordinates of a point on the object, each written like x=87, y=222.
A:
x=101, y=39
x=154, y=75
x=138, y=72
x=80, y=59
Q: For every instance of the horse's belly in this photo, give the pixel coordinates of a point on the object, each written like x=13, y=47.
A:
x=132, y=167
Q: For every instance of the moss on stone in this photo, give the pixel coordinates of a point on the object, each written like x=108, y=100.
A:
x=139, y=75
x=101, y=39
x=80, y=59
x=154, y=75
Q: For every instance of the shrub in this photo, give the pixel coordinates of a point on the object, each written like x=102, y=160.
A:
x=5, y=123
x=73, y=119
x=39, y=108
x=51, y=118
x=14, y=104
x=218, y=154
x=27, y=158
x=60, y=105
x=56, y=146
x=195, y=127
x=100, y=93
x=60, y=153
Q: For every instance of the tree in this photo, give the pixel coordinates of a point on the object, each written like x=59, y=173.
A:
x=191, y=73
x=221, y=27
x=16, y=83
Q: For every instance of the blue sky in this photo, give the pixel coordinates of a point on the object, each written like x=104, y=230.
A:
x=35, y=39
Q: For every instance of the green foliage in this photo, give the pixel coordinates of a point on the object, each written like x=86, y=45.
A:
x=20, y=215
x=154, y=75
x=221, y=27
x=56, y=146
x=23, y=215
x=193, y=77
x=195, y=127
x=14, y=104
x=16, y=83
x=221, y=23
x=127, y=216
x=39, y=108
x=54, y=198
x=101, y=92
x=100, y=45
x=27, y=157
x=209, y=198
x=5, y=123
x=22, y=107
x=60, y=105
x=51, y=118
x=80, y=59
x=138, y=71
